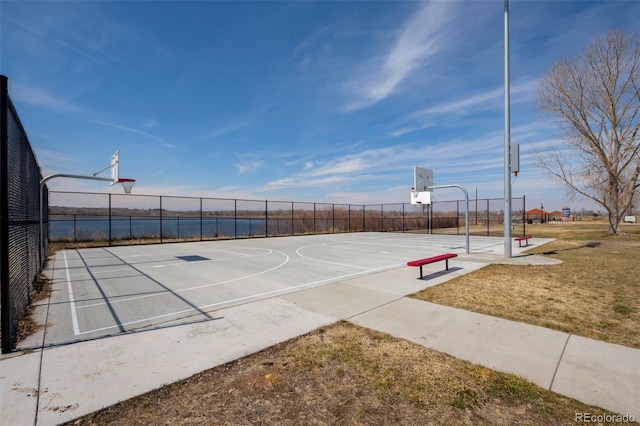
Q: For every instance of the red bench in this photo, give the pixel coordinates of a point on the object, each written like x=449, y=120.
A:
x=524, y=238
x=432, y=259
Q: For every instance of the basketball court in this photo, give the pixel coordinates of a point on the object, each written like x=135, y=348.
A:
x=99, y=292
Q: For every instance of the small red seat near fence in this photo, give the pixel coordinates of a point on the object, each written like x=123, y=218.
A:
x=427, y=260
x=524, y=238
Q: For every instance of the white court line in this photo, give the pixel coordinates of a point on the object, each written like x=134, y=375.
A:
x=72, y=303
x=325, y=261
x=241, y=299
x=269, y=251
x=351, y=246
x=167, y=293
x=174, y=262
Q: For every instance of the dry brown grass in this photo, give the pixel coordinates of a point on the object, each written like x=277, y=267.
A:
x=344, y=374
x=27, y=325
x=594, y=293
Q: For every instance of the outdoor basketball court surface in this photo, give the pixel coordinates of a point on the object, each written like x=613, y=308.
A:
x=99, y=292
x=177, y=309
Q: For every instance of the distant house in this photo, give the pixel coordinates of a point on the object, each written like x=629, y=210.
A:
x=555, y=215
x=536, y=215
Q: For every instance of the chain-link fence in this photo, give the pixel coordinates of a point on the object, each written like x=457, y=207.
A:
x=107, y=219
x=20, y=257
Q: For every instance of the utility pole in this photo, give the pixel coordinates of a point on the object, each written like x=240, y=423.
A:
x=507, y=138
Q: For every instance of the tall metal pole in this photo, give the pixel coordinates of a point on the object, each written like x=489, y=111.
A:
x=507, y=139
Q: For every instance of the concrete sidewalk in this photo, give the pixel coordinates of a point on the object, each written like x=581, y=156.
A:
x=58, y=384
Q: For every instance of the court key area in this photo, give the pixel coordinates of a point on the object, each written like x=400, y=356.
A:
x=99, y=292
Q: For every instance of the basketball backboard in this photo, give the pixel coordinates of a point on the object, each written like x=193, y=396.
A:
x=115, y=167
x=126, y=183
x=422, y=179
x=420, y=197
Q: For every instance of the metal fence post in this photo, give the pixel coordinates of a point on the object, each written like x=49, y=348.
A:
x=110, y=218
x=161, y=219
x=403, y=219
x=266, y=218
x=488, y=217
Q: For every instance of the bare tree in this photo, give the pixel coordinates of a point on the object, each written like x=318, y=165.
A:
x=595, y=99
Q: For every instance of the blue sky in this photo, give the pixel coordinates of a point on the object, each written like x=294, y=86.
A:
x=301, y=101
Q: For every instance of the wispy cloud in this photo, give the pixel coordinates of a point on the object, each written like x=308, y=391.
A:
x=408, y=129
x=420, y=37
x=73, y=45
x=129, y=129
x=45, y=99
x=70, y=37
x=479, y=158
x=150, y=123
x=488, y=99
x=250, y=166
x=53, y=161
x=42, y=98
x=249, y=119
x=229, y=128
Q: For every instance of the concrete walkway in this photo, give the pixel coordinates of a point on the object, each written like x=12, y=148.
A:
x=58, y=384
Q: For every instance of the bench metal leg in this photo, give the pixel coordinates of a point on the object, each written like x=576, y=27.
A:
x=420, y=271
x=447, y=263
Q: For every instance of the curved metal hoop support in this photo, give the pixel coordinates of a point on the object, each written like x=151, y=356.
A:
x=466, y=211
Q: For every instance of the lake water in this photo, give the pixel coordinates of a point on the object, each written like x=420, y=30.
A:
x=78, y=228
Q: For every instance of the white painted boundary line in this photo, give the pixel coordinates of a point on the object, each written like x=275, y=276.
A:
x=253, y=296
x=325, y=261
x=108, y=269
x=72, y=303
x=169, y=293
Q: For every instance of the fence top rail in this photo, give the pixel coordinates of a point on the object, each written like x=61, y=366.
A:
x=271, y=201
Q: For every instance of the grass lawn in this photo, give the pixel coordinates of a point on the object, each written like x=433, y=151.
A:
x=344, y=374
x=594, y=293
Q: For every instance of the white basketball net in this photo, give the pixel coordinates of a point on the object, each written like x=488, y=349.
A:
x=127, y=184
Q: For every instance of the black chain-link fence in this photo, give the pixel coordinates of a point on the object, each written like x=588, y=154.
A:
x=107, y=219
x=20, y=257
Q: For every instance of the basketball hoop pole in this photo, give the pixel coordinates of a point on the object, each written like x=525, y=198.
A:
x=61, y=175
x=42, y=184
x=466, y=211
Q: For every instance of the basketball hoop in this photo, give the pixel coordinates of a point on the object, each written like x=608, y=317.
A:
x=127, y=184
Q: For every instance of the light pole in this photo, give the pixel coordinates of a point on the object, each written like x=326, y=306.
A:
x=507, y=139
